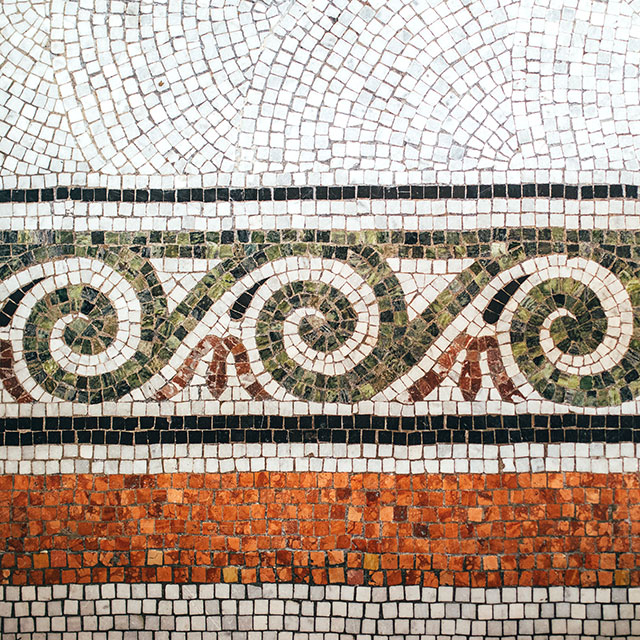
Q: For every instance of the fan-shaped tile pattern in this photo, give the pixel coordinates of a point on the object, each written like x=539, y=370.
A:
x=387, y=86
x=156, y=87
x=34, y=132
x=576, y=84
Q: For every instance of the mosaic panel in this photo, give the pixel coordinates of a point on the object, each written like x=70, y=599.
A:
x=296, y=92
x=488, y=530
x=319, y=320
x=217, y=611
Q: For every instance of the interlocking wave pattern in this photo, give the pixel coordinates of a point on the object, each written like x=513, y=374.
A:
x=321, y=323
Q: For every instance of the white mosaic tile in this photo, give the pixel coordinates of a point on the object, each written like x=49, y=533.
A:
x=348, y=215
x=423, y=279
x=331, y=92
x=35, y=135
x=321, y=457
x=265, y=612
x=179, y=275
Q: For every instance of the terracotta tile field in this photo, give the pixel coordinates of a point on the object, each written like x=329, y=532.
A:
x=493, y=530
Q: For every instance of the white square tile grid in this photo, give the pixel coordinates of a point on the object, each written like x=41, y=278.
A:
x=287, y=611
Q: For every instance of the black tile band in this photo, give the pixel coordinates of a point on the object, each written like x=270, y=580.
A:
x=491, y=429
x=368, y=192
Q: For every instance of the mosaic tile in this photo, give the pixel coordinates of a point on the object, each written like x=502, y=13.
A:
x=458, y=529
x=319, y=320
x=433, y=208
x=352, y=429
x=305, y=93
x=318, y=612
x=599, y=458
x=505, y=321
x=35, y=132
x=361, y=192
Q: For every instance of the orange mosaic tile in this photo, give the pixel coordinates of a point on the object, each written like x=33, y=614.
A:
x=490, y=530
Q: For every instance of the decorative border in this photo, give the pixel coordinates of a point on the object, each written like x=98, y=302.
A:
x=524, y=457
x=352, y=192
x=499, y=529
x=356, y=429
x=364, y=214
x=37, y=265
x=225, y=610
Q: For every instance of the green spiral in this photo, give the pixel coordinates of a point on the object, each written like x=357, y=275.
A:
x=577, y=334
x=369, y=375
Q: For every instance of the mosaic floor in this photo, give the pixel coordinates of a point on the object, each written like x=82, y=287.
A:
x=319, y=319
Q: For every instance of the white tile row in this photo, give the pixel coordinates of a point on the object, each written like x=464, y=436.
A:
x=320, y=593
x=350, y=215
x=300, y=612
x=239, y=179
x=371, y=458
x=444, y=405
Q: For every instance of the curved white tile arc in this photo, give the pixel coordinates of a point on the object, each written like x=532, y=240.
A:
x=384, y=86
x=613, y=297
x=336, y=274
x=157, y=89
x=576, y=94
x=34, y=133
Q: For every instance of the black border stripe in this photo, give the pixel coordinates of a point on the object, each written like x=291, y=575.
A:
x=489, y=429
x=352, y=192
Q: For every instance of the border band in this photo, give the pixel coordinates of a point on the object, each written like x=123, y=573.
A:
x=358, y=429
x=347, y=192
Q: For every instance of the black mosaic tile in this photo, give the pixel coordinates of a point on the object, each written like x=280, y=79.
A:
x=347, y=192
x=488, y=429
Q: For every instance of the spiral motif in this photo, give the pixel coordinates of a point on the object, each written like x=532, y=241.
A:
x=98, y=334
x=81, y=330
x=321, y=325
x=570, y=329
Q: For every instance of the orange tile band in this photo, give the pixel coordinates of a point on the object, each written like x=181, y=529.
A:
x=361, y=529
